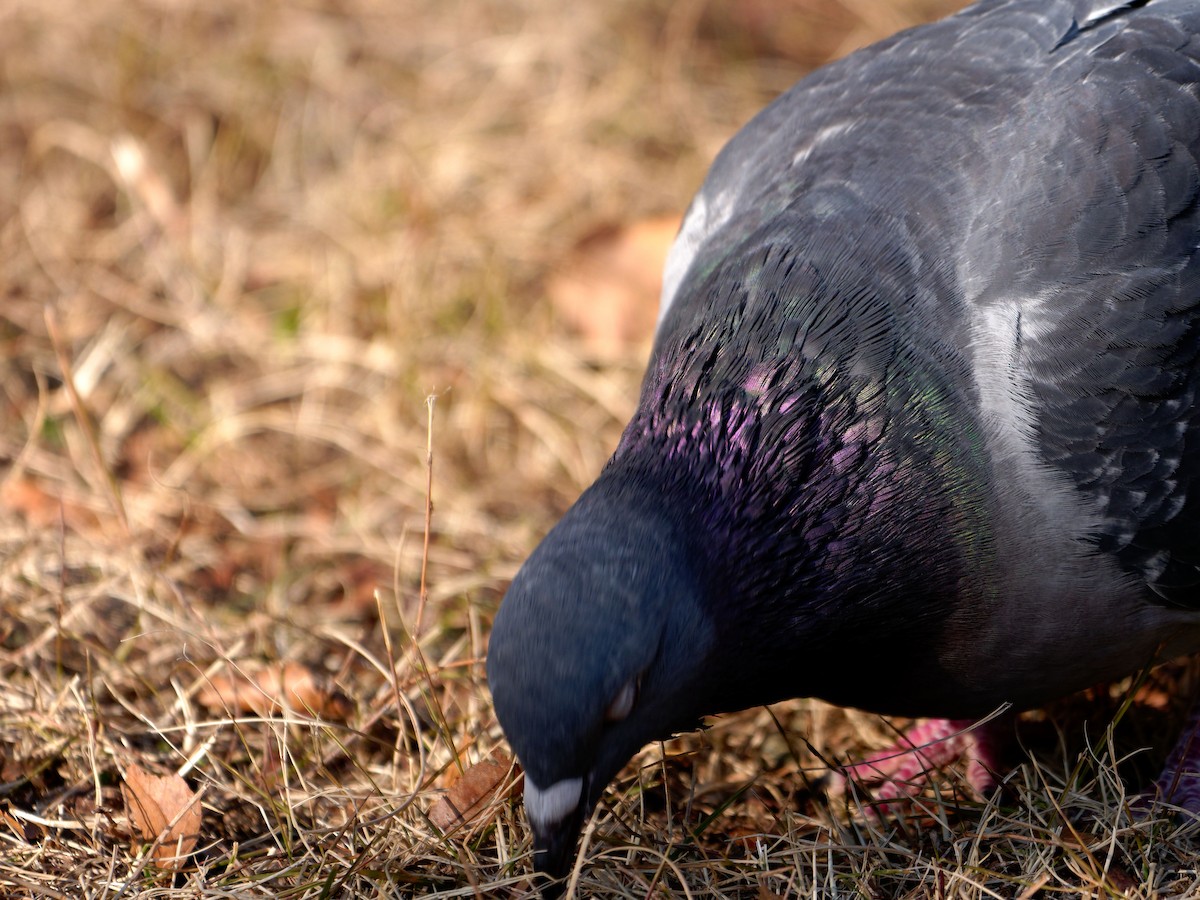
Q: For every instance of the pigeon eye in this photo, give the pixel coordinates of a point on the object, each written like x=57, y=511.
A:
x=622, y=704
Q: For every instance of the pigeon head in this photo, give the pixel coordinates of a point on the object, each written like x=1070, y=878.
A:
x=593, y=654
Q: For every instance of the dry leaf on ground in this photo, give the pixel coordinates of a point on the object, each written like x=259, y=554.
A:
x=268, y=689
x=11, y=822
x=163, y=805
x=609, y=290
x=43, y=509
x=471, y=793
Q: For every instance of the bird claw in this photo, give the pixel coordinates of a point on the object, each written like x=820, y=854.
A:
x=1179, y=783
x=898, y=774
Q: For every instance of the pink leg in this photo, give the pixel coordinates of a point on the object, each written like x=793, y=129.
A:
x=903, y=769
x=1179, y=783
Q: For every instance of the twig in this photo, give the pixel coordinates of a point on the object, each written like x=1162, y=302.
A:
x=86, y=425
x=423, y=597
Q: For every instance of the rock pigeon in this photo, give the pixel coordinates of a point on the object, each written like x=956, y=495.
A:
x=924, y=377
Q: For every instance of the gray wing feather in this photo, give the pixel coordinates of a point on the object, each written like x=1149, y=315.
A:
x=1045, y=153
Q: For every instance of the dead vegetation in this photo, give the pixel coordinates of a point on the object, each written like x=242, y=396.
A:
x=242, y=244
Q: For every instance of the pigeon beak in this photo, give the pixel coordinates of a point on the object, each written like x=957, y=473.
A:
x=556, y=816
x=554, y=852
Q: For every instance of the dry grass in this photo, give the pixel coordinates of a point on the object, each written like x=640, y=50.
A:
x=242, y=243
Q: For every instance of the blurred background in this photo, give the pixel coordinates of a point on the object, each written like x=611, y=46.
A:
x=268, y=231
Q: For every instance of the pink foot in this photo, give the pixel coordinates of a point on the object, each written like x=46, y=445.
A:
x=1179, y=783
x=903, y=769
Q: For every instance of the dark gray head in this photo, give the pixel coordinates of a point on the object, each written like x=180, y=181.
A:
x=592, y=655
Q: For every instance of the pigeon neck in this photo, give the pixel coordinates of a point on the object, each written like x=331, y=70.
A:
x=827, y=469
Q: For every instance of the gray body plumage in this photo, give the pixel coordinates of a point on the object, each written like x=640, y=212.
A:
x=923, y=390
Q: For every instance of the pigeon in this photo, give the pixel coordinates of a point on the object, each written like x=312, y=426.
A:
x=919, y=430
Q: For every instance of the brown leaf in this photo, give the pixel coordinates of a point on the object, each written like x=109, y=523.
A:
x=1076, y=838
x=608, y=292
x=163, y=806
x=43, y=509
x=1121, y=878
x=471, y=794
x=269, y=689
x=270, y=772
x=13, y=824
x=27, y=498
x=1153, y=696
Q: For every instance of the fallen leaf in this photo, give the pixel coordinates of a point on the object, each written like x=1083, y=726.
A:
x=608, y=291
x=163, y=806
x=1076, y=838
x=471, y=794
x=270, y=772
x=42, y=509
x=1121, y=878
x=269, y=689
x=1153, y=696
x=13, y=824
x=27, y=498
x=1035, y=887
